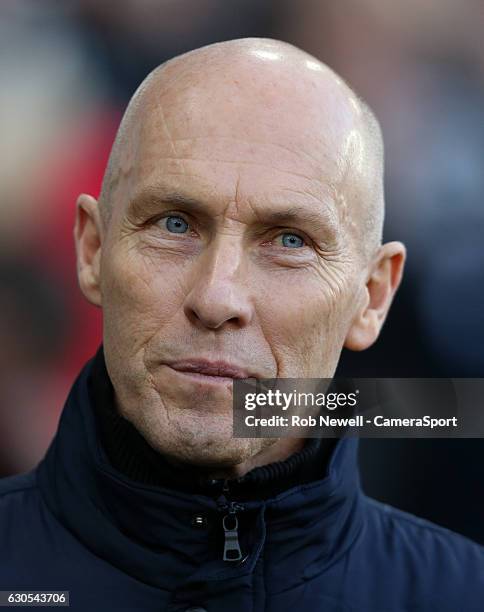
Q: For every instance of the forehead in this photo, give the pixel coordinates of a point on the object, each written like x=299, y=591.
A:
x=237, y=129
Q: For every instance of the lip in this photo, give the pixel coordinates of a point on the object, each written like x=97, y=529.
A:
x=210, y=369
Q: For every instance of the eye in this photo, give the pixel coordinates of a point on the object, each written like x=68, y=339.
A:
x=175, y=224
x=292, y=241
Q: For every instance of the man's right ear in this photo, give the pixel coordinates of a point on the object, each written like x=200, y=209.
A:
x=88, y=240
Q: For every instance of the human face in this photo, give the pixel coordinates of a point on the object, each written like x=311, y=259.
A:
x=226, y=256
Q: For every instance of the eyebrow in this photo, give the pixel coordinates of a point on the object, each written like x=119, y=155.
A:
x=296, y=214
x=154, y=200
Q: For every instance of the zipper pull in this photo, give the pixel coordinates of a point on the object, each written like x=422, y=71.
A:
x=232, y=551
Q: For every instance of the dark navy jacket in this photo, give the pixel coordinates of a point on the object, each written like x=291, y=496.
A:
x=75, y=523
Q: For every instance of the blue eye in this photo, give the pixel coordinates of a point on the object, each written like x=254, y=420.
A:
x=176, y=225
x=292, y=241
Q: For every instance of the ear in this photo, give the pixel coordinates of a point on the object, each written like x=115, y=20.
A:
x=383, y=281
x=88, y=240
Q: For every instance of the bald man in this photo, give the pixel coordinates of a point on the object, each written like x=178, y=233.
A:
x=238, y=234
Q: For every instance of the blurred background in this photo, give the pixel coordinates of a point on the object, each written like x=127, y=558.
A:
x=67, y=71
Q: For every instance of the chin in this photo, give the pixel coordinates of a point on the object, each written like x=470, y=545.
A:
x=226, y=454
x=206, y=442
x=194, y=436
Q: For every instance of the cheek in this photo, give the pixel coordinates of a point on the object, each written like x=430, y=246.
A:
x=305, y=324
x=140, y=294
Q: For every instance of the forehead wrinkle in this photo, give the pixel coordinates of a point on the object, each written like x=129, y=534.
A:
x=250, y=143
x=164, y=125
x=242, y=162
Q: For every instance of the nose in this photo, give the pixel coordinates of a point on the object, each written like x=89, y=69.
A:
x=219, y=296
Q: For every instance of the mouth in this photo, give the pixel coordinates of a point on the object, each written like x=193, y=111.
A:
x=211, y=372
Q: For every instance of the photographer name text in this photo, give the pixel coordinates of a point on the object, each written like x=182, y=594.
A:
x=356, y=421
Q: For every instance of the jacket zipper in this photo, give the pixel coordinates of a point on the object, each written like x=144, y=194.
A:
x=230, y=524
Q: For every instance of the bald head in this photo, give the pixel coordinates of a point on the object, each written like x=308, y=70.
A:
x=259, y=92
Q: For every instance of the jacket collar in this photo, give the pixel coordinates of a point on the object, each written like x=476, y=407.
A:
x=169, y=538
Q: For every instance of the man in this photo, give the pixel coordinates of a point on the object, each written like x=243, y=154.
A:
x=238, y=234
